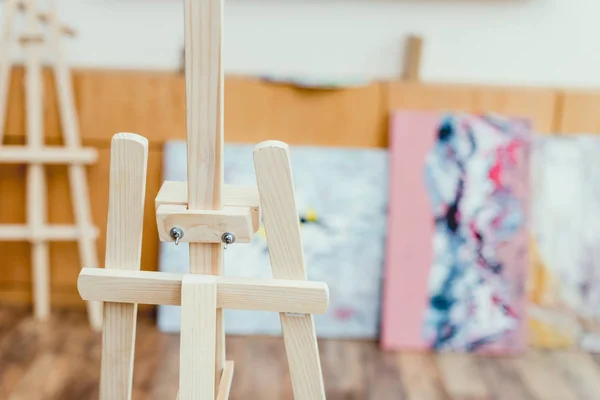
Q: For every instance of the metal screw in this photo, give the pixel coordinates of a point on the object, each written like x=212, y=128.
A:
x=176, y=233
x=228, y=238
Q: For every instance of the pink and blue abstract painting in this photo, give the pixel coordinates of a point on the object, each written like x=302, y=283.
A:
x=465, y=186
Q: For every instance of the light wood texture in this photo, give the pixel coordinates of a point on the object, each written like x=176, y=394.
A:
x=129, y=158
x=204, y=134
x=47, y=155
x=460, y=376
x=175, y=193
x=260, y=294
x=579, y=112
x=542, y=376
x=226, y=379
x=59, y=360
x=55, y=232
x=198, y=334
x=6, y=35
x=26, y=39
x=537, y=104
x=77, y=179
x=45, y=17
x=204, y=226
x=276, y=189
x=412, y=57
x=421, y=376
x=36, y=180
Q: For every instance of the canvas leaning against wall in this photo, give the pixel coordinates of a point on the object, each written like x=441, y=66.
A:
x=457, y=249
x=341, y=196
x=564, y=289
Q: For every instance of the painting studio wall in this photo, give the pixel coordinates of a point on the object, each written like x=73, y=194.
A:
x=555, y=41
x=341, y=195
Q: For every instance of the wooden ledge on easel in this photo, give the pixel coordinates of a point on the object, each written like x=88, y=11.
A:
x=162, y=288
x=175, y=193
x=204, y=226
x=47, y=155
x=45, y=18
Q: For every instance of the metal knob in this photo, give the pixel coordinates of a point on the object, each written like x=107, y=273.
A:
x=176, y=233
x=228, y=238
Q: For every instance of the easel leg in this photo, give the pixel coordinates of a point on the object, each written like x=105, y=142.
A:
x=276, y=189
x=5, y=65
x=198, y=335
x=36, y=179
x=128, y=167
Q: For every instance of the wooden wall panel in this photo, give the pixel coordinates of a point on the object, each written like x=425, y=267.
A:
x=152, y=104
x=580, y=112
x=257, y=111
x=538, y=104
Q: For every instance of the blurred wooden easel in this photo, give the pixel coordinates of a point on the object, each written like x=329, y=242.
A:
x=209, y=215
x=35, y=154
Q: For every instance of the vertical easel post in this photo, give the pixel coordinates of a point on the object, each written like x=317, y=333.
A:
x=204, y=110
x=128, y=166
x=36, y=179
x=5, y=67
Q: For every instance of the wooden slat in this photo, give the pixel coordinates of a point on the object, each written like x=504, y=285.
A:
x=198, y=330
x=537, y=104
x=226, y=379
x=260, y=294
x=276, y=189
x=412, y=55
x=129, y=158
x=175, y=192
x=204, y=226
x=77, y=178
x=6, y=36
x=204, y=101
x=36, y=179
x=52, y=232
x=47, y=155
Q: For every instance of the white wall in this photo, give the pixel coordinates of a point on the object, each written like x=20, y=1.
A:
x=537, y=42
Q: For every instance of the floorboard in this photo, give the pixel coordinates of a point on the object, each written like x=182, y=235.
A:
x=60, y=360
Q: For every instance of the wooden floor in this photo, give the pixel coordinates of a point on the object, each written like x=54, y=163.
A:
x=61, y=359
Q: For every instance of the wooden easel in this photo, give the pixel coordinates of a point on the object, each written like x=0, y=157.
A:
x=35, y=154
x=207, y=214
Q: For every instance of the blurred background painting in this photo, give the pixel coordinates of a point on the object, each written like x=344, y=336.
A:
x=341, y=196
x=565, y=270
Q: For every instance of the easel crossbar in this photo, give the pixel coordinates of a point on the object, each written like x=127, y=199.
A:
x=45, y=233
x=47, y=155
x=161, y=288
